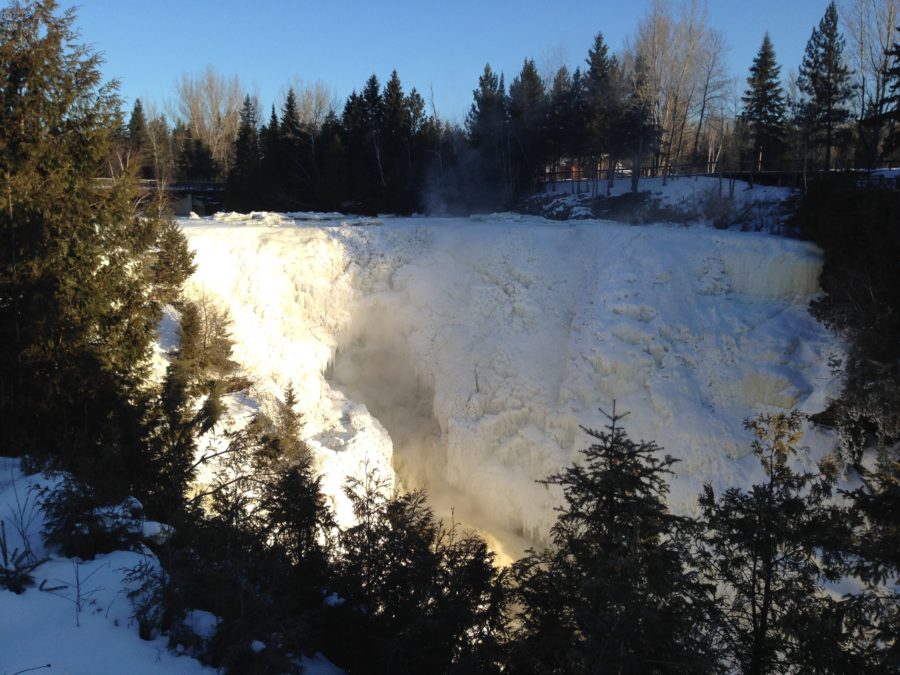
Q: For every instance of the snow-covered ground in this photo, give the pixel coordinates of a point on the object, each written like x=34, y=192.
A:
x=76, y=618
x=466, y=352
x=706, y=200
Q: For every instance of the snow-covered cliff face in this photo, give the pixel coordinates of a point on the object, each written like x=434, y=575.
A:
x=473, y=349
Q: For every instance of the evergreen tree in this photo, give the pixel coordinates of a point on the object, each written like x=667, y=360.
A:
x=765, y=106
x=603, y=106
x=331, y=186
x=244, y=182
x=825, y=82
x=77, y=307
x=420, y=598
x=296, y=178
x=167, y=465
x=580, y=119
x=270, y=161
x=396, y=136
x=765, y=547
x=559, y=120
x=363, y=124
x=528, y=118
x=298, y=522
x=139, y=139
x=173, y=263
x=373, y=123
x=486, y=128
x=615, y=593
x=892, y=102
x=194, y=161
x=424, y=138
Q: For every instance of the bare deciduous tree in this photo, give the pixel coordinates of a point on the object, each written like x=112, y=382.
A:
x=869, y=26
x=314, y=102
x=209, y=104
x=684, y=71
x=714, y=85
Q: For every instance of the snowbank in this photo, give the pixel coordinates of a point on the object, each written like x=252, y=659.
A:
x=480, y=345
x=76, y=617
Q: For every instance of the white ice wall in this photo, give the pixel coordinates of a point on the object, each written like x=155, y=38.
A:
x=521, y=329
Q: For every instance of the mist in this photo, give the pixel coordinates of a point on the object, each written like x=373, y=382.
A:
x=377, y=370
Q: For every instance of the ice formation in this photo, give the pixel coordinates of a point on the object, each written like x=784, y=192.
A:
x=467, y=352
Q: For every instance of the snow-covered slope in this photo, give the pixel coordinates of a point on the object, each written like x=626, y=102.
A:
x=481, y=344
x=76, y=618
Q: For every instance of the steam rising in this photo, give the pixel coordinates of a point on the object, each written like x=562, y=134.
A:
x=375, y=369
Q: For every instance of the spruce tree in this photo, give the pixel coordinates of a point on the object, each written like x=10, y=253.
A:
x=396, y=135
x=528, y=117
x=77, y=306
x=244, y=182
x=373, y=142
x=765, y=106
x=194, y=161
x=271, y=161
x=580, y=114
x=892, y=103
x=874, y=545
x=330, y=186
x=295, y=176
x=559, y=120
x=363, y=124
x=603, y=106
x=825, y=82
x=488, y=135
x=615, y=592
x=421, y=148
x=139, y=139
x=766, y=548
x=420, y=597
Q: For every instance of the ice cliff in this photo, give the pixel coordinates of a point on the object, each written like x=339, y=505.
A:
x=467, y=352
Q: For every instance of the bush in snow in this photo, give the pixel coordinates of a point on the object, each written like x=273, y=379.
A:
x=80, y=524
x=146, y=584
x=15, y=566
x=205, y=341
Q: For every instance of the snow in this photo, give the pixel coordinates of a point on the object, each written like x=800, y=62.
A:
x=76, y=617
x=203, y=624
x=466, y=352
x=699, y=199
x=167, y=342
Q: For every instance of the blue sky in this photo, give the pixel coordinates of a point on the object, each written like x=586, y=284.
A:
x=149, y=43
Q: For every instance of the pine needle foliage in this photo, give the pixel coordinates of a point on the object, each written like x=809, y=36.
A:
x=765, y=548
x=614, y=593
x=78, y=261
x=765, y=107
x=824, y=81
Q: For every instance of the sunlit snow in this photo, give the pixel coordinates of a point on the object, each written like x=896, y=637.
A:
x=466, y=352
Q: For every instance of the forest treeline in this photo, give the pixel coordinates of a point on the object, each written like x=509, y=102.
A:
x=665, y=103
x=623, y=585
